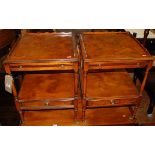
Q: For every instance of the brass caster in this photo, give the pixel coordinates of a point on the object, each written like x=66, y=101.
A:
x=84, y=121
x=131, y=118
x=77, y=122
x=21, y=122
x=54, y=124
x=150, y=115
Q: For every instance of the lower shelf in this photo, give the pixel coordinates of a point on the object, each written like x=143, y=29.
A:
x=114, y=87
x=94, y=117
x=49, y=118
x=110, y=84
x=108, y=116
x=46, y=86
x=47, y=91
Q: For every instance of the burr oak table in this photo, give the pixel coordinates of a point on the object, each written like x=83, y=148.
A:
x=49, y=62
x=105, y=81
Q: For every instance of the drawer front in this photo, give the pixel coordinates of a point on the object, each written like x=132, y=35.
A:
x=46, y=105
x=113, y=102
x=109, y=65
x=33, y=67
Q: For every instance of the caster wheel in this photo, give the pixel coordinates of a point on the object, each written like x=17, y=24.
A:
x=149, y=115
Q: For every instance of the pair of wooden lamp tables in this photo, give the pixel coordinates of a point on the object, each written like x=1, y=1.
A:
x=89, y=71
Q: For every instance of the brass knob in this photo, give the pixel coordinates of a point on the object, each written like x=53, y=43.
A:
x=99, y=65
x=46, y=103
x=20, y=67
x=113, y=102
x=138, y=64
x=62, y=66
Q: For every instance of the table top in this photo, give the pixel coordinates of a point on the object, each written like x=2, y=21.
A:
x=109, y=46
x=43, y=47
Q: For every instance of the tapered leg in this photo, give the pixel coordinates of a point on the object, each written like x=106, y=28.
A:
x=84, y=102
x=75, y=109
x=142, y=89
x=76, y=74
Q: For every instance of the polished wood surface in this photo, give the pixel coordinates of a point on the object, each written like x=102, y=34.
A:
x=108, y=116
x=9, y=115
x=94, y=117
x=112, y=83
x=49, y=118
x=47, y=91
x=57, y=51
x=45, y=52
x=47, y=86
x=102, y=51
x=111, y=46
x=43, y=46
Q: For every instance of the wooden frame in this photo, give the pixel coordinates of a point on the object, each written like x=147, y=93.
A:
x=61, y=52
x=29, y=64
x=112, y=61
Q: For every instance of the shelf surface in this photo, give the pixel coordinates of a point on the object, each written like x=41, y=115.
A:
x=108, y=116
x=43, y=46
x=49, y=118
x=114, y=83
x=112, y=46
x=94, y=117
x=47, y=86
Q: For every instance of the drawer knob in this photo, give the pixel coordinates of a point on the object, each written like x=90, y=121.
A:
x=20, y=67
x=113, y=102
x=100, y=66
x=46, y=103
x=138, y=64
x=62, y=66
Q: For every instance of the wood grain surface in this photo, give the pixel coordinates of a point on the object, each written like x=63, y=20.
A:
x=112, y=46
x=43, y=46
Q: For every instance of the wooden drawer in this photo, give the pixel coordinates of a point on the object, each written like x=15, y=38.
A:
x=109, y=65
x=40, y=66
x=46, y=105
x=113, y=102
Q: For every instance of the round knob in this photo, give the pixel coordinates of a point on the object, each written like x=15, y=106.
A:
x=46, y=103
x=62, y=66
x=99, y=65
x=20, y=67
x=113, y=102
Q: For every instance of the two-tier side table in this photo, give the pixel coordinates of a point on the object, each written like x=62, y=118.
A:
x=106, y=56
x=48, y=63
